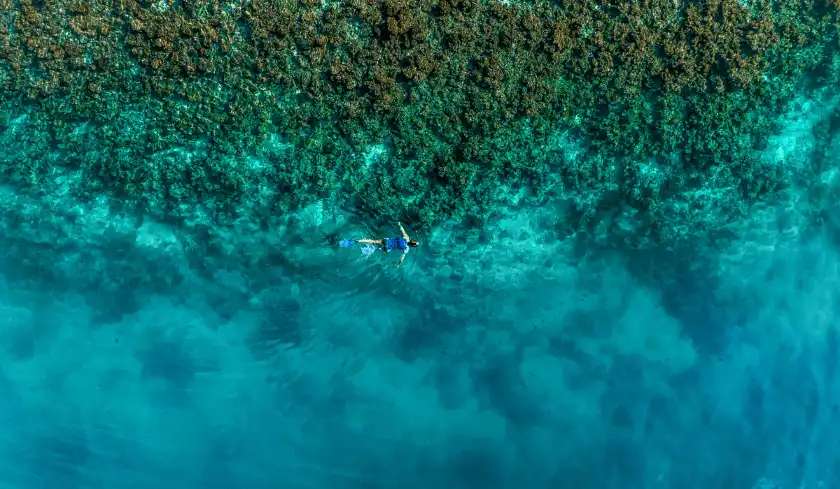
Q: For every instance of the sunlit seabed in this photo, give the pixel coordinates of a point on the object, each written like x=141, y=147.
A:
x=277, y=359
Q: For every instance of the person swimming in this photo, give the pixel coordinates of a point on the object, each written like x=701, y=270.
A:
x=403, y=243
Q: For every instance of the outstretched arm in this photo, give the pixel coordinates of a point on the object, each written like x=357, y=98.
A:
x=402, y=230
x=405, y=252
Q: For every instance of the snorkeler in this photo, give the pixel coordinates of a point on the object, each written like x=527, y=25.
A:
x=404, y=243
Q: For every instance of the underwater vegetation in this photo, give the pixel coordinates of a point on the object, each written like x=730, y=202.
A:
x=436, y=109
x=628, y=215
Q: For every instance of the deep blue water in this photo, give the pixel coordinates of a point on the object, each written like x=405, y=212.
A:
x=137, y=355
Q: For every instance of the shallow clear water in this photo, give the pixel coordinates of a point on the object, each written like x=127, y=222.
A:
x=136, y=355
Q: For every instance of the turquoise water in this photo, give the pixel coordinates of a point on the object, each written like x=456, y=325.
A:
x=257, y=353
x=134, y=354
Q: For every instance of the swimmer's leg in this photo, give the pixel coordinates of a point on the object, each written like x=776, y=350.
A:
x=371, y=241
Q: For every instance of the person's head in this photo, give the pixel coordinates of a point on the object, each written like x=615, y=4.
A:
x=412, y=243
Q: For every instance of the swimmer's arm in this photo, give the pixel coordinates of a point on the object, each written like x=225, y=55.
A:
x=402, y=230
x=405, y=252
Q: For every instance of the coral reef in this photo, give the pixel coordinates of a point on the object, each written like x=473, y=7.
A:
x=432, y=109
